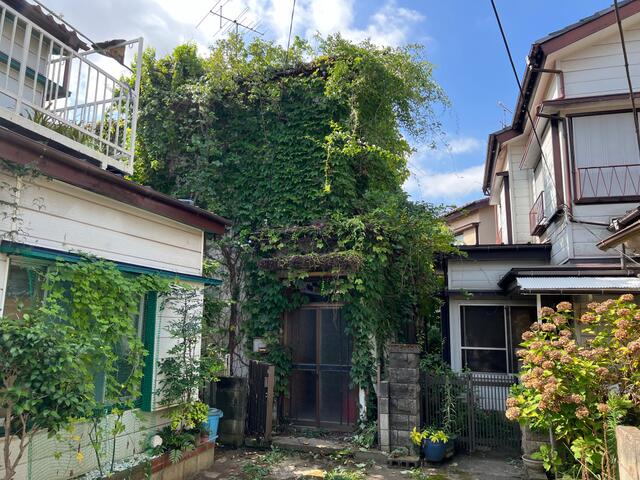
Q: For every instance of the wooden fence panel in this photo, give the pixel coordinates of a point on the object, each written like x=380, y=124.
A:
x=260, y=406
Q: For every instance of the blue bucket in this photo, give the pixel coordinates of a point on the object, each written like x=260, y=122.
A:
x=212, y=423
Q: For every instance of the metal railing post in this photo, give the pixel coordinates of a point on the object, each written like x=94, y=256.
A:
x=22, y=76
x=136, y=97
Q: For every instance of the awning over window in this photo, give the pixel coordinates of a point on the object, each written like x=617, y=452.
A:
x=577, y=284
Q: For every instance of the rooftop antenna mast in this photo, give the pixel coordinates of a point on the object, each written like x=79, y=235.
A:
x=505, y=109
x=227, y=23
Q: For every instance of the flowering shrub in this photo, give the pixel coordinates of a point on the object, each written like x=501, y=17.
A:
x=580, y=392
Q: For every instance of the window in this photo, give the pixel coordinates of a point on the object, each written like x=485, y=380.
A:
x=606, y=157
x=24, y=290
x=123, y=366
x=24, y=287
x=490, y=334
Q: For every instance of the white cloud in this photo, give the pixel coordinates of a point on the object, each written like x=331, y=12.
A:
x=167, y=23
x=461, y=145
x=453, y=146
x=453, y=185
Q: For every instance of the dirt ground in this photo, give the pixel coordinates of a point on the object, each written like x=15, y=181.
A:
x=244, y=464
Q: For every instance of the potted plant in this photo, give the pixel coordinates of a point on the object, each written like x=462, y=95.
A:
x=435, y=443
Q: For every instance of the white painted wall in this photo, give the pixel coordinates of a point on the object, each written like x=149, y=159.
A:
x=56, y=215
x=521, y=195
x=468, y=274
x=598, y=69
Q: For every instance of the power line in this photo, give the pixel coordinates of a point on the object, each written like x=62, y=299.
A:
x=626, y=68
x=533, y=128
x=526, y=107
x=293, y=11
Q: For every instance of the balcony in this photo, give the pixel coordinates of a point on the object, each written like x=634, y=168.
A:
x=610, y=183
x=536, y=216
x=55, y=85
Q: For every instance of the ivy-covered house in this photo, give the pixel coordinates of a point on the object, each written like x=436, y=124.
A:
x=67, y=136
x=306, y=152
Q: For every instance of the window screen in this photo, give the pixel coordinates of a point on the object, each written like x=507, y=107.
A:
x=606, y=156
x=24, y=287
x=484, y=341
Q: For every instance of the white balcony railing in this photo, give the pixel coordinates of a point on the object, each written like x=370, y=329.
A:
x=63, y=94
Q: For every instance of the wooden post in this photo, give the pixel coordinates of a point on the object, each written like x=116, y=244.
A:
x=271, y=380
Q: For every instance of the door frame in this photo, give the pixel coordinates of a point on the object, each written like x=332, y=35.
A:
x=318, y=307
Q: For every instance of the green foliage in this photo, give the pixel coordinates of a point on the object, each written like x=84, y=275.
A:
x=308, y=159
x=82, y=331
x=365, y=435
x=581, y=392
x=434, y=435
x=341, y=473
x=40, y=386
x=97, y=302
x=177, y=442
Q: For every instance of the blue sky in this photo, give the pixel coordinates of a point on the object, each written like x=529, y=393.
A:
x=461, y=38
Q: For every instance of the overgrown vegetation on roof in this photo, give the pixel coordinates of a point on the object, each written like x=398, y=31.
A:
x=306, y=151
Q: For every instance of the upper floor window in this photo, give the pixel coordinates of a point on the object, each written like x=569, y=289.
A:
x=605, y=158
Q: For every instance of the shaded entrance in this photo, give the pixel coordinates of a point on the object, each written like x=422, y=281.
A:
x=319, y=393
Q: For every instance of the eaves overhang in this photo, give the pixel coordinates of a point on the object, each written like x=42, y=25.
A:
x=54, y=163
x=526, y=251
x=509, y=282
x=52, y=255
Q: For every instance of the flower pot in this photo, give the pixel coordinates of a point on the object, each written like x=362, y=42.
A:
x=212, y=423
x=533, y=465
x=449, y=448
x=434, y=451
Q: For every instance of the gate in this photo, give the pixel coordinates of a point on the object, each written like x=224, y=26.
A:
x=260, y=405
x=471, y=406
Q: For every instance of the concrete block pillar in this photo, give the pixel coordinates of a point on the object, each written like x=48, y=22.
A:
x=399, y=398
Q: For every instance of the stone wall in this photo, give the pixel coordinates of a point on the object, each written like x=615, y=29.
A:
x=399, y=398
x=628, y=442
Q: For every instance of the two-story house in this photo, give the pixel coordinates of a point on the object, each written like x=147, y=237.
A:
x=561, y=187
x=67, y=136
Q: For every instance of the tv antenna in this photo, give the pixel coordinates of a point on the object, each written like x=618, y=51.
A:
x=505, y=109
x=227, y=23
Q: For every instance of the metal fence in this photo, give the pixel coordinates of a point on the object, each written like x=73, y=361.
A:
x=472, y=407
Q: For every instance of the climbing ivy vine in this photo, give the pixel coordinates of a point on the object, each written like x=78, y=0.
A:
x=306, y=152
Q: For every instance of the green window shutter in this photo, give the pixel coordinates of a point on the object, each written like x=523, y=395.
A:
x=150, y=308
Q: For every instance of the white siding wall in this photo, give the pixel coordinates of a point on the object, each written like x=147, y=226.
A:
x=467, y=274
x=599, y=68
x=503, y=231
x=559, y=235
x=55, y=215
x=520, y=190
x=585, y=237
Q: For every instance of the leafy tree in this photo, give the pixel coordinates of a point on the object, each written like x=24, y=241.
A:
x=306, y=151
x=76, y=356
x=41, y=387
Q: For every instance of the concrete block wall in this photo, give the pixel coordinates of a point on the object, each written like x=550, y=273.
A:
x=628, y=443
x=399, y=398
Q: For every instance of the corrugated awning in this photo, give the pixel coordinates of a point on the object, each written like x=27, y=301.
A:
x=577, y=284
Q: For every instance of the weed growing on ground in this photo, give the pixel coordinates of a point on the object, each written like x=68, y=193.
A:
x=342, y=474
x=256, y=471
x=274, y=457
